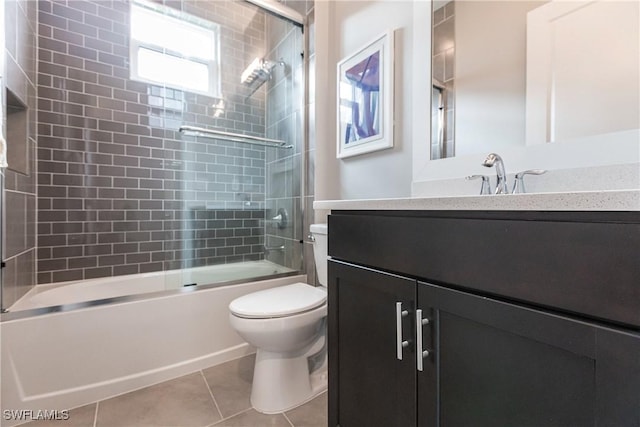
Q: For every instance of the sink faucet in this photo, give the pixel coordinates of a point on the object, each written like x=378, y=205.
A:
x=495, y=160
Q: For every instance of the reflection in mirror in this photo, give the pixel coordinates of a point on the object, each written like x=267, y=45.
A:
x=439, y=149
x=442, y=92
x=582, y=67
x=510, y=73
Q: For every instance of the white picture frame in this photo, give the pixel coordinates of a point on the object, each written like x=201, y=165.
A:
x=365, y=99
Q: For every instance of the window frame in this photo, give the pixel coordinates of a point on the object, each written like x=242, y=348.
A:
x=214, y=89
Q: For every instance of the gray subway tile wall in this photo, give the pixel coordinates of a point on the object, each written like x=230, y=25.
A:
x=120, y=191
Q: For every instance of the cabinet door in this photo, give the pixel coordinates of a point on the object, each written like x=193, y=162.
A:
x=368, y=384
x=500, y=364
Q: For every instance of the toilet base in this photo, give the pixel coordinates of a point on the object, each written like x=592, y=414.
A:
x=282, y=382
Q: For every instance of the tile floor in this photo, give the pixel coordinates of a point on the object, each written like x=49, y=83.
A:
x=216, y=396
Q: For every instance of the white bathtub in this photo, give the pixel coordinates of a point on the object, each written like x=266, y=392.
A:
x=66, y=359
x=112, y=287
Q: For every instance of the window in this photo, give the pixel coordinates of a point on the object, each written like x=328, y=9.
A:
x=174, y=48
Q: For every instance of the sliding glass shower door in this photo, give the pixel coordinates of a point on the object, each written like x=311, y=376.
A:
x=231, y=140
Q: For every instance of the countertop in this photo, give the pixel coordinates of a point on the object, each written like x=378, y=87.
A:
x=616, y=200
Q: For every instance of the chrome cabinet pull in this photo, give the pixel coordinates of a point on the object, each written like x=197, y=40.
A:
x=400, y=344
x=421, y=354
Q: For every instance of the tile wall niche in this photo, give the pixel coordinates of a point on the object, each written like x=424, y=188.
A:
x=119, y=190
x=19, y=190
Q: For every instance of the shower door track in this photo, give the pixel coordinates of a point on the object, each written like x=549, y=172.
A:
x=280, y=10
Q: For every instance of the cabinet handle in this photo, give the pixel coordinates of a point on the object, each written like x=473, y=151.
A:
x=421, y=354
x=400, y=344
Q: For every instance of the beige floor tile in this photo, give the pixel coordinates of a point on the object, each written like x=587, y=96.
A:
x=183, y=402
x=79, y=417
x=230, y=384
x=186, y=402
x=253, y=418
x=311, y=414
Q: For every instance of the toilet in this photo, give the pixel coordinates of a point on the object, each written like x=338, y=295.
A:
x=287, y=325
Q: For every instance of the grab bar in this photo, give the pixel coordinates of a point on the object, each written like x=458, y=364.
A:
x=235, y=137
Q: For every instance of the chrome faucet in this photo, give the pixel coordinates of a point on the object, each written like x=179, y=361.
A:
x=495, y=160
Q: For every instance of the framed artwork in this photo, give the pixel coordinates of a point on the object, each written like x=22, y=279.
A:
x=365, y=99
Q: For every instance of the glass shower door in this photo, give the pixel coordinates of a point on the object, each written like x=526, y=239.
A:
x=231, y=178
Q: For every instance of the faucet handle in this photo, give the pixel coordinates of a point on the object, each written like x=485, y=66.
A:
x=486, y=185
x=518, y=185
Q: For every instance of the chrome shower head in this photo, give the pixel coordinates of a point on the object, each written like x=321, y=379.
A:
x=258, y=71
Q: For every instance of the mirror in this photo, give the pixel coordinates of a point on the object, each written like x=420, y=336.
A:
x=519, y=73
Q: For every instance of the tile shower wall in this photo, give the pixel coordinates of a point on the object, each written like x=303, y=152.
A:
x=19, y=245
x=119, y=190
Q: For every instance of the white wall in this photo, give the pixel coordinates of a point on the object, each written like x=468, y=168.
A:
x=342, y=28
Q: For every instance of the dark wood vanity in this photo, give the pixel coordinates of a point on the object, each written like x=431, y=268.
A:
x=520, y=318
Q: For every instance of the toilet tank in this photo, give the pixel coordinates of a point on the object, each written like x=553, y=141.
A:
x=320, y=235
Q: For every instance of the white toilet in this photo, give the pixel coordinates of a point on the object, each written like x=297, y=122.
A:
x=287, y=326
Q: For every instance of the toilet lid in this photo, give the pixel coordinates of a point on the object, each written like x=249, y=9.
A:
x=278, y=302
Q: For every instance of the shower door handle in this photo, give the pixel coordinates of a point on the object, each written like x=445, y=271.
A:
x=400, y=343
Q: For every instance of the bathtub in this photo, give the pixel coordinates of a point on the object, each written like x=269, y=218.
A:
x=81, y=291
x=70, y=356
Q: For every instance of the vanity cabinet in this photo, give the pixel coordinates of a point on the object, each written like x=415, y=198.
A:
x=375, y=387
x=487, y=359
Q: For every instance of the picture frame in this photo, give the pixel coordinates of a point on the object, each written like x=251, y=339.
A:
x=365, y=98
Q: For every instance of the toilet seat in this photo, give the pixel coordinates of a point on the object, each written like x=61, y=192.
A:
x=281, y=301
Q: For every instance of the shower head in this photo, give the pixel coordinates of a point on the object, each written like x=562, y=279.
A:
x=259, y=71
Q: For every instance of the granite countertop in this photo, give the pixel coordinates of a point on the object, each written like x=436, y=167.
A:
x=616, y=200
